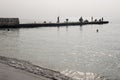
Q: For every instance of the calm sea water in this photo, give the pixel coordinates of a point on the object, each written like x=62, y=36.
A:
x=67, y=49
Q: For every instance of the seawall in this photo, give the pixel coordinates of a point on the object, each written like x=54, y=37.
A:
x=32, y=25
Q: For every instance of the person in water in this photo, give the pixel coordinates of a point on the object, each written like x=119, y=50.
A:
x=97, y=30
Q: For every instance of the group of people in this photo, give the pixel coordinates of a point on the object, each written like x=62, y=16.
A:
x=81, y=20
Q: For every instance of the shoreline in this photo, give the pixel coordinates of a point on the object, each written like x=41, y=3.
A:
x=10, y=73
x=29, y=71
x=34, y=69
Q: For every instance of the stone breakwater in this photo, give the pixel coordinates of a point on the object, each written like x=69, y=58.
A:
x=34, y=25
x=31, y=68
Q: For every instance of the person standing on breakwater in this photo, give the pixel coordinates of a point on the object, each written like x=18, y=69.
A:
x=92, y=19
x=102, y=19
x=67, y=20
x=58, y=19
x=81, y=19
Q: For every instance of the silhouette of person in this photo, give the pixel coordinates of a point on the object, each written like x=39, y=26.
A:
x=102, y=19
x=92, y=19
x=58, y=19
x=81, y=19
x=67, y=20
x=97, y=30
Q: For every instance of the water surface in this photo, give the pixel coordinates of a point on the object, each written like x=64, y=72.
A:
x=68, y=48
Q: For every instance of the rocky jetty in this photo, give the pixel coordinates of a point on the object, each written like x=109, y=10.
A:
x=31, y=68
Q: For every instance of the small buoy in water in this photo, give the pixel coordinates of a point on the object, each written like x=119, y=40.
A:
x=97, y=30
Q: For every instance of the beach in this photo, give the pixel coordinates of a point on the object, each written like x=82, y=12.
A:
x=14, y=69
x=10, y=73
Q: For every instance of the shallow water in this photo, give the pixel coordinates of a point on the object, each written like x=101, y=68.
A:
x=72, y=48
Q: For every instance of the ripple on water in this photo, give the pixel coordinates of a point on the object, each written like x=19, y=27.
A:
x=83, y=75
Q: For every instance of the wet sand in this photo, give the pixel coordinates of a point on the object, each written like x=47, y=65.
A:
x=10, y=73
x=14, y=69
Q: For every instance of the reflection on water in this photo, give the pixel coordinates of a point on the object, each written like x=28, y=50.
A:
x=83, y=75
x=9, y=41
x=81, y=28
x=69, y=49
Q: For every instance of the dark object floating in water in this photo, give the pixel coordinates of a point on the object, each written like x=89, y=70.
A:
x=97, y=30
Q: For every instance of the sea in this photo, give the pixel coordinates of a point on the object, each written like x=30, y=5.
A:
x=75, y=51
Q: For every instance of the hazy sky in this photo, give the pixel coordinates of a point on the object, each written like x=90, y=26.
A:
x=52, y=8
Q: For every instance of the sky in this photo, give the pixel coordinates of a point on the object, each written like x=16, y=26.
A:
x=50, y=9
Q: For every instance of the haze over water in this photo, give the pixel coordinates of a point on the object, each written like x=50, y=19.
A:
x=48, y=10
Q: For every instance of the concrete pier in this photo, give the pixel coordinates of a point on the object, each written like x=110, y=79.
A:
x=31, y=25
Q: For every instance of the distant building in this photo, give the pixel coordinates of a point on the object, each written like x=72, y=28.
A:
x=9, y=21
